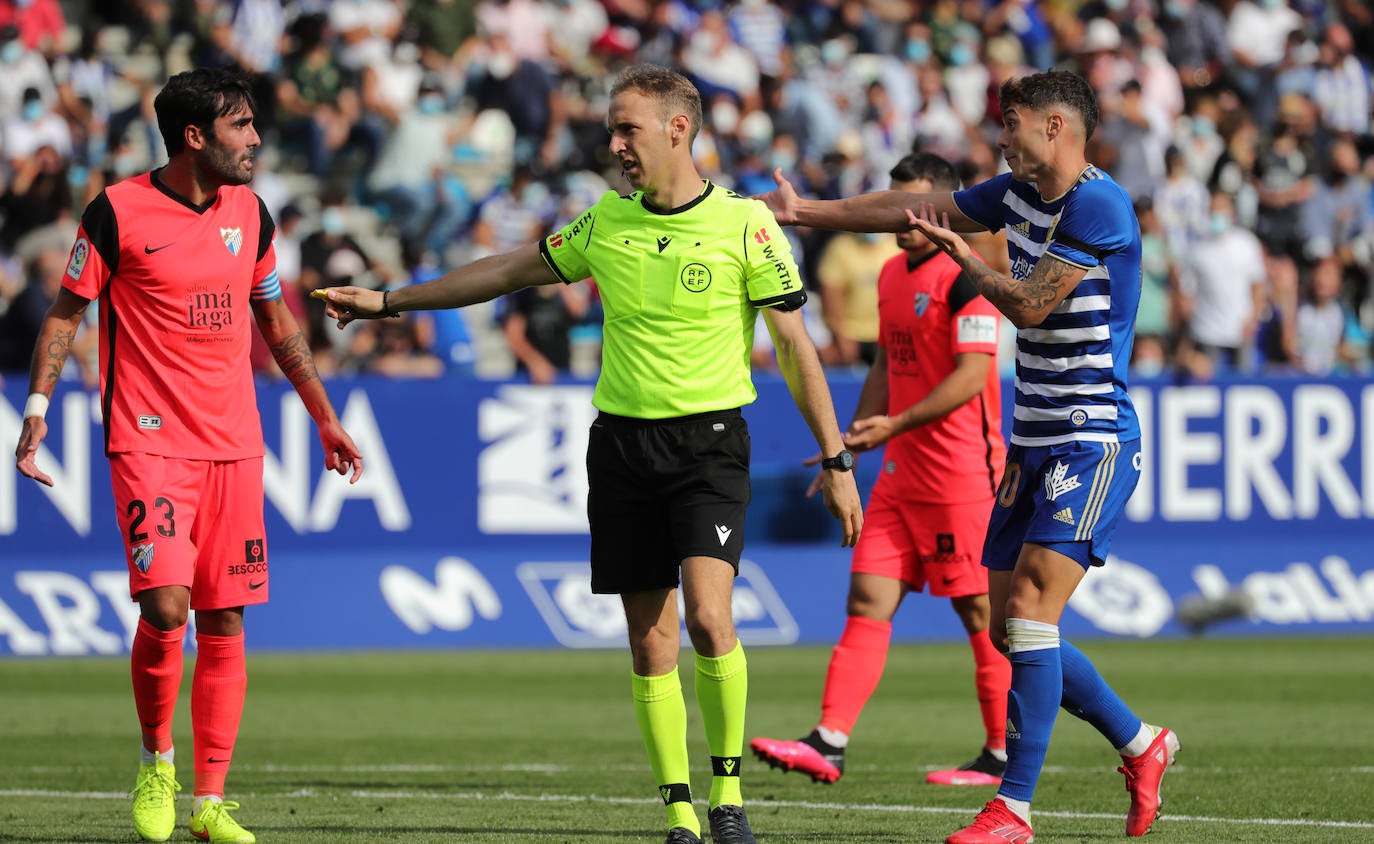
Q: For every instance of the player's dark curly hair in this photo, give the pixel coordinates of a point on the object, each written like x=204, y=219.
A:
x=674, y=92
x=197, y=98
x=926, y=166
x=1040, y=91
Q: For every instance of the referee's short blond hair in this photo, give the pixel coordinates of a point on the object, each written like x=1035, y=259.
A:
x=674, y=93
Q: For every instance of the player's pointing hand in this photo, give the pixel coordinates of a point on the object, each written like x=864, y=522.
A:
x=346, y=304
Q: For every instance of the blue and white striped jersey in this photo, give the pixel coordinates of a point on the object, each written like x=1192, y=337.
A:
x=1071, y=368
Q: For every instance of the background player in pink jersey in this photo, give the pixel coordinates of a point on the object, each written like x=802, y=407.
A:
x=181, y=260
x=932, y=398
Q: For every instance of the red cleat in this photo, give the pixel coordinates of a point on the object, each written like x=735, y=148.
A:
x=996, y=824
x=799, y=756
x=1143, y=776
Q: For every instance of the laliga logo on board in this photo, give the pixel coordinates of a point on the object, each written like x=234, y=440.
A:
x=1123, y=598
x=579, y=618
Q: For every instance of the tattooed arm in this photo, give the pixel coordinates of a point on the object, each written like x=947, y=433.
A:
x=1025, y=302
x=50, y=354
x=292, y=353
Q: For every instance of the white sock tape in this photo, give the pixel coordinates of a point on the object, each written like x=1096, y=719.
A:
x=1026, y=635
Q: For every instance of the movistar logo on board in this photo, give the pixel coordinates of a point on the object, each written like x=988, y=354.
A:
x=580, y=618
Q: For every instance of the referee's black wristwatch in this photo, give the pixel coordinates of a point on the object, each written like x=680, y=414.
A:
x=842, y=462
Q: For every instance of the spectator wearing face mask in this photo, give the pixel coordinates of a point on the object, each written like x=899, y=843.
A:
x=523, y=25
x=40, y=23
x=525, y=91
x=1222, y=290
x=411, y=182
x=966, y=77
x=35, y=126
x=21, y=69
x=365, y=29
x=331, y=257
x=835, y=79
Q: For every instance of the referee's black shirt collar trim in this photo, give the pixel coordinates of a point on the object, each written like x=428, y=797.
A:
x=913, y=263
x=653, y=209
x=156, y=178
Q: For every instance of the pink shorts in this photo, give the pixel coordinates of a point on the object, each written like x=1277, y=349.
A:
x=922, y=543
x=192, y=523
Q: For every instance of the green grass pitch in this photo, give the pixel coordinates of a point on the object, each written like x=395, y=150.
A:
x=523, y=746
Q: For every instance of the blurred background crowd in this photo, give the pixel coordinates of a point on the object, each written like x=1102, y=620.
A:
x=405, y=137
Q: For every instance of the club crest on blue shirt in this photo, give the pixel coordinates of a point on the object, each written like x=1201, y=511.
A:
x=233, y=239
x=922, y=302
x=143, y=557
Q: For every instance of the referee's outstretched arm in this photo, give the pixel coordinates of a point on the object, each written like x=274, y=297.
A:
x=479, y=281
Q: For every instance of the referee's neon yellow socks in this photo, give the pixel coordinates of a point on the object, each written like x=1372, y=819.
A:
x=722, y=684
x=662, y=717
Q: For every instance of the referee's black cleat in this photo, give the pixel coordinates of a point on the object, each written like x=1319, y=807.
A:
x=730, y=826
x=682, y=835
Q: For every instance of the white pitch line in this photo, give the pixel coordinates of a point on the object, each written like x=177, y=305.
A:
x=549, y=768
x=512, y=797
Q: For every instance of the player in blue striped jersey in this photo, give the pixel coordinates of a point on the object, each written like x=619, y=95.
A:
x=1074, y=245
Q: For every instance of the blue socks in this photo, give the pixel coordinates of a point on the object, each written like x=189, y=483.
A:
x=1087, y=696
x=1037, y=685
x=1048, y=673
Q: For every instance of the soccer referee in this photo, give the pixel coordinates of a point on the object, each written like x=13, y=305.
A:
x=683, y=266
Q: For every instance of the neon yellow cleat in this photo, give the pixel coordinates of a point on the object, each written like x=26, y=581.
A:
x=155, y=792
x=213, y=824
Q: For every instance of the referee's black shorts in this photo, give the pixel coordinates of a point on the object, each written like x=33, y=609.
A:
x=662, y=490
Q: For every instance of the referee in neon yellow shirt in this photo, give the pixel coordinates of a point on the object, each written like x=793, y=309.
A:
x=683, y=266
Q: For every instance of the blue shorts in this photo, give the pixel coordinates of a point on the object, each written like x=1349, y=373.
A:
x=1068, y=497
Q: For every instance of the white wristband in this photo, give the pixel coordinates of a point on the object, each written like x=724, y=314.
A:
x=37, y=405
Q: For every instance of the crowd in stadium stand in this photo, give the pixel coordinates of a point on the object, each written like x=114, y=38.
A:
x=402, y=137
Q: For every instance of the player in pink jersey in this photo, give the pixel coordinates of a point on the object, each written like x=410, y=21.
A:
x=932, y=399
x=181, y=260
